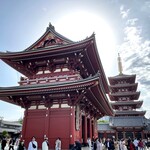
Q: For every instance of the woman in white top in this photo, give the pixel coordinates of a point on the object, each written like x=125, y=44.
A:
x=99, y=144
x=58, y=144
x=33, y=144
x=89, y=143
x=45, y=144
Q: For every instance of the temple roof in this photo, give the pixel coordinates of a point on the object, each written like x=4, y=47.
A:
x=14, y=123
x=129, y=121
x=27, y=61
x=50, y=34
x=104, y=127
x=91, y=87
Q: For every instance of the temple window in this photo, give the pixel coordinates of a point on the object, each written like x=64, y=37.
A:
x=125, y=107
x=41, y=107
x=120, y=99
x=122, y=90
x=130, y=108
x=65, y=69
x=124, y=99
x=58, y=70
x=47, y=71
x=40, y=72
x=65, y=106
x=32, y=107
x=55, y=106
x=120, y=108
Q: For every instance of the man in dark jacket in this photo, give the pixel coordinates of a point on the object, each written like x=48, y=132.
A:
x=4, y=143
x=11, y=144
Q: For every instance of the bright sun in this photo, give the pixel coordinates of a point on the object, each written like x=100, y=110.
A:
x=78, y=25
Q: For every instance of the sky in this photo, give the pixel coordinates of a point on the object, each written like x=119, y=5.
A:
x=120, y=26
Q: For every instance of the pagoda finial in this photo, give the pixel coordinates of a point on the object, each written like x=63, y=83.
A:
x=119, y=64
x=51, y=26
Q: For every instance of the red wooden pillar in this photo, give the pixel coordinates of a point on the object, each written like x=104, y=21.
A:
x=95, y=128
x=85, y=128
x=91, y=128
x=46, y=122
x=24, y=127
x=124, y=136
x=116, y=135
x=24, y=124
x=133, y=134
x=142, y=134
x=72, y=125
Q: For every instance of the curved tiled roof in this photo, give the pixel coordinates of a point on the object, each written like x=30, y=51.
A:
x=92, y=86
x=129, y=121
x=129, y=113
x=104, y=127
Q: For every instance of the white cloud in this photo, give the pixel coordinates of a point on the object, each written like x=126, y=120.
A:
x=146, y=7
x=124, y=13
x=135, y=52
x=44, y=9
x=132, y=22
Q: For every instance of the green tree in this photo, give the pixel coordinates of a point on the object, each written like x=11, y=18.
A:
x=5, y=134
x=20, y=120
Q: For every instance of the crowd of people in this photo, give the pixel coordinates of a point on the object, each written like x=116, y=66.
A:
x=96, y=144
x=17, y=144
x=123, y=144
x=11, y=144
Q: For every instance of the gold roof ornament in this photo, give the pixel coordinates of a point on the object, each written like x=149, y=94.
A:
x=120, y=65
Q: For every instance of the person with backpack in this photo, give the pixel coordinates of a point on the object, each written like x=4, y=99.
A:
x=45, y=144
x=33, y=144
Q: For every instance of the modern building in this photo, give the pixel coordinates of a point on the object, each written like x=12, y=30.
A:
x=63, y=88
x=13, y=128
x=127, y=120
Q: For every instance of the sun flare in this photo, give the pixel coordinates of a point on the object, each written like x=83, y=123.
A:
x=77, y=26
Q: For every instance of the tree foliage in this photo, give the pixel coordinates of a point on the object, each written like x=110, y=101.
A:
x=5, y=134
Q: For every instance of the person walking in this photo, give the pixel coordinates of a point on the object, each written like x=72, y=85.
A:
x=11, y=143
x=99, y=144
x=135, y=142
x=89, y=143
x=21, y=145
x=141, y=145
x=58, y=144
x=45, y=144
x=4, y=143
x=33, y=144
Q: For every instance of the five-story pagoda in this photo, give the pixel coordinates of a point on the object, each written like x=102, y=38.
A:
x=63, y=88
x=128, y=122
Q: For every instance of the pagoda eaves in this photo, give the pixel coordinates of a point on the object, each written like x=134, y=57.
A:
x=127, y=78
x=130, y=113
x=131, y=95
x=134, y=104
